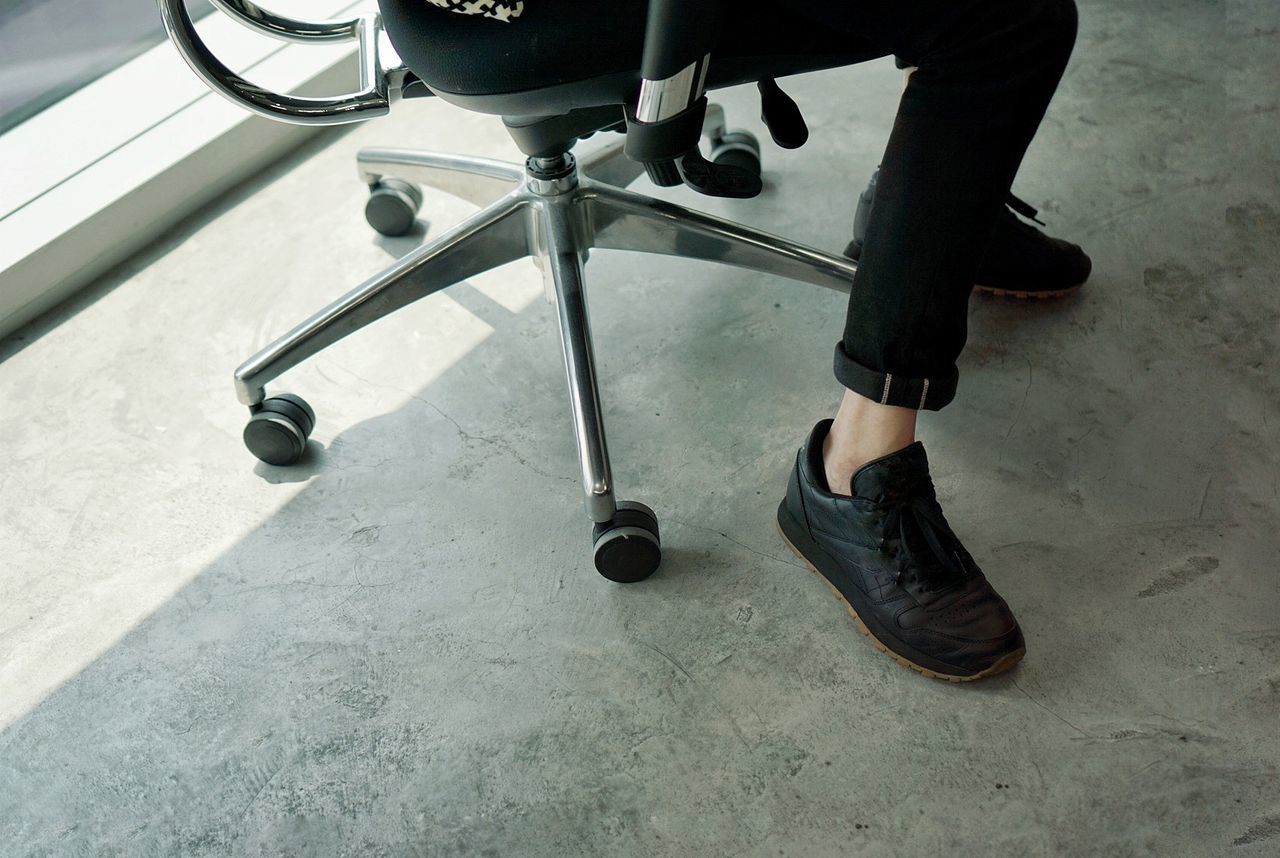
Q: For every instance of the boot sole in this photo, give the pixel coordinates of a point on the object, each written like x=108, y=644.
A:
x=1026, y=294
x=854, y=251
x=999, y=667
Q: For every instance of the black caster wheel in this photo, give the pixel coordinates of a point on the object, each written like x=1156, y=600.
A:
x=738, y=149
x=393, y=206
x=627, y=548
x=277, y=432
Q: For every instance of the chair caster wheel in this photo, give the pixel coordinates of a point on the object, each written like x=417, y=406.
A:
x=278, y=430
x=393, y=206
x=737, y=149
x=627, y=548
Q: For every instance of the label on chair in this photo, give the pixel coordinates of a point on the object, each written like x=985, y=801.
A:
x=500, y=10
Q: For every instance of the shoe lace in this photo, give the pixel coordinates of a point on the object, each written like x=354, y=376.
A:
x=915, y=510
x=1024, y=208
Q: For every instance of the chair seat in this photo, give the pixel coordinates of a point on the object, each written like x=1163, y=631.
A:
x=561, y=55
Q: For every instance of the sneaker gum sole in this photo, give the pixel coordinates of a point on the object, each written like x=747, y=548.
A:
x=999, y=667
x=1026, y=294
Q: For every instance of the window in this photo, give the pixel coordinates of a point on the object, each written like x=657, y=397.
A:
x=51, y=48
x=108, y=138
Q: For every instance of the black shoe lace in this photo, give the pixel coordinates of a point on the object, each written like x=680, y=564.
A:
x=1024, y=208
x=918, y=507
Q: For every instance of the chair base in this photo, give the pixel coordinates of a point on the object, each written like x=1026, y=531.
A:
x=554, y=211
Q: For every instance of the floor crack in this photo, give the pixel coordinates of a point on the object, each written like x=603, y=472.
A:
x=1050, y=711
x=1026, y=393
x=742, y=545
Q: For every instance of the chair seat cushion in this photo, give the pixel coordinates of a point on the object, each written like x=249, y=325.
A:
x=500, y=10
x=565, y=54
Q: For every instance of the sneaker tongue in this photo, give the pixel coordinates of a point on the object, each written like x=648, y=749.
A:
x=874, y=480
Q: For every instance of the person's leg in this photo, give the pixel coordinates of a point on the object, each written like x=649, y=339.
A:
x=860, y=506
x=985, y=74
x=1021, y=262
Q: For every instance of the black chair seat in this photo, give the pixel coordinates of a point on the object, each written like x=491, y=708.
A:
x=520, y=67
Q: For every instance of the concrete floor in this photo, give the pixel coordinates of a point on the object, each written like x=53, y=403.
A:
x=400, y=646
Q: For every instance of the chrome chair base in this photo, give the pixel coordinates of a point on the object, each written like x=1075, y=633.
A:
x=553, y=211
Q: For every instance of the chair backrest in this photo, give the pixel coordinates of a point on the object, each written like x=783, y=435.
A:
x=381, y=72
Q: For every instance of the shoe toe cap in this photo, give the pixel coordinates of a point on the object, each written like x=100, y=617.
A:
x=972, y=629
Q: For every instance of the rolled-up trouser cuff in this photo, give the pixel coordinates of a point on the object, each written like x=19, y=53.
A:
x=886, y=388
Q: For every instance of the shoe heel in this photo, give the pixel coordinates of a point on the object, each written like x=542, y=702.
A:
x=794, y=536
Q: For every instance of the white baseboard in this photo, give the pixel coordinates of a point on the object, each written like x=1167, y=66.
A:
x=127, y=188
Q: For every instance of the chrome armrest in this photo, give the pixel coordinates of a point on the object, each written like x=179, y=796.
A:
x=382, y=73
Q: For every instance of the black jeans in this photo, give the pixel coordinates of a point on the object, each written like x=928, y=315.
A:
x=985, y=72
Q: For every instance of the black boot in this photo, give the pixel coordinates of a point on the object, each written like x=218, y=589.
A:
x=1021, y=261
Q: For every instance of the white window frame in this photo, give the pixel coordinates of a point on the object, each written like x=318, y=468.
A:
x=101, y=174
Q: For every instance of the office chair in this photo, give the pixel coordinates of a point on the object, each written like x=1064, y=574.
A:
x=563, y=71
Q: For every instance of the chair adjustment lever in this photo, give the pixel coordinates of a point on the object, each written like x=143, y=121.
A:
x=717, y=180
x=781, y=115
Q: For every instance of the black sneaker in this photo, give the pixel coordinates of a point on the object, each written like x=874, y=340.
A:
x=1021, y=262
x=891, y=557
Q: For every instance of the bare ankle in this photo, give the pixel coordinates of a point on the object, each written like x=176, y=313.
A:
x=839, y=470
x=862, y=431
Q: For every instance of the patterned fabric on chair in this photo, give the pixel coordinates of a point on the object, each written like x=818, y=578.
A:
x=501, y=10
